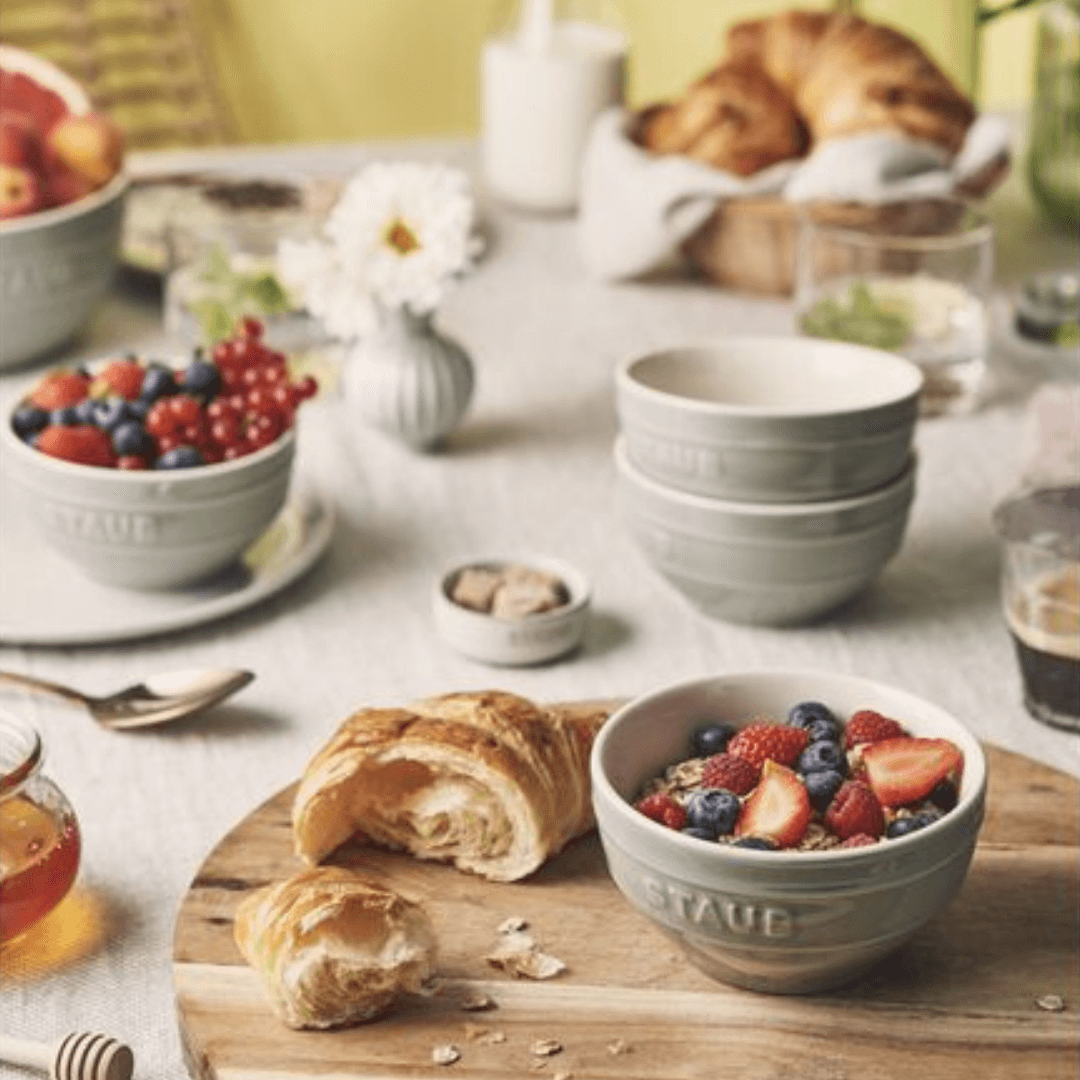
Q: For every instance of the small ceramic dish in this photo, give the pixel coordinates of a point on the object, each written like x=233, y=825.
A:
x=516, y=642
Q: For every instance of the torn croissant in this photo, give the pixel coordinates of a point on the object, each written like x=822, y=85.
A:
x=334, y=949
x=487, y=781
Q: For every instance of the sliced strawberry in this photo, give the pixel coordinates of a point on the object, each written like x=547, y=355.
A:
x=859, y=840
x=730, y=772
x=867, y=726
x=59, y=389
x=777, y=809
x=661, y=807
x=121, y=377
x=855, y=809
x=902, y=771
x=81, y=443
x=759, y=743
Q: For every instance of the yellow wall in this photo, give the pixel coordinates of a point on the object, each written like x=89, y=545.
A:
x=314, y=70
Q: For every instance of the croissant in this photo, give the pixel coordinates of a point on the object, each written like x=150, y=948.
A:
x=487, y=781
x=836, y=74
x=332, y=948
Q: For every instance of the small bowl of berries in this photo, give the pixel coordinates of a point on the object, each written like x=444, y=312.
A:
x=788, y=829
x=149, y=476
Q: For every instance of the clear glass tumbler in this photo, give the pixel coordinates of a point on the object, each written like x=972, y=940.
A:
x=912, y=278
x=39, y=834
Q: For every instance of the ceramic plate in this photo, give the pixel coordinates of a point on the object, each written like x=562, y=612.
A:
x=46, y=601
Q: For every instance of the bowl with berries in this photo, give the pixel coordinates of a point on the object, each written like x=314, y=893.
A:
x=152, y=476
x=788, y=829
x=62, y=197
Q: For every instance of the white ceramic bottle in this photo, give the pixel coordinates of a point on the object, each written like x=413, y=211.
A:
x=543, y=83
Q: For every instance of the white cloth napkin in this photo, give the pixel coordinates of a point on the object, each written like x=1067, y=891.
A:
x=636, y=208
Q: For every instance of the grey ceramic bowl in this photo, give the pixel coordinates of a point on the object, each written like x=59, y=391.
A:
x=769, y=419
x=56, y=265
x=150, y=529
x=775, y=564
x=780, y=922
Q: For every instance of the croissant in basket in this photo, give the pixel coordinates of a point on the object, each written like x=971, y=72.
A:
x=487, y=781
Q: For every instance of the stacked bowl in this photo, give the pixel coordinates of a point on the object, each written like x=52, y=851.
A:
x=767, y=479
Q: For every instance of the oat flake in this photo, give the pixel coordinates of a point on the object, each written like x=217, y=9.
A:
x=1051, y=1003
x=545, y=1047
x=514, y=925
x=619, y=1046
x=445, y=1055
x=478, y=1002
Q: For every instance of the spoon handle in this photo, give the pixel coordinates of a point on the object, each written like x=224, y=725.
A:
x=43, y=684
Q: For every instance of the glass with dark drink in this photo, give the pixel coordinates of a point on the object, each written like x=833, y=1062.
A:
x=1041, y=596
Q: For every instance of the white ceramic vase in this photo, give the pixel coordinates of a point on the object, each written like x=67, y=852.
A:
x=408, y=380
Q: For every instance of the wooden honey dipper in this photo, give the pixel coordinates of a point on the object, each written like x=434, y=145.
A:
x=81, y=1055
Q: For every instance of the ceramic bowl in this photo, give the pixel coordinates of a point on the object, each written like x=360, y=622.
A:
x=533, y=639
x=774, y=564
x=56, y=265
x=769, y=419
x=153, y=529
x=780, y=922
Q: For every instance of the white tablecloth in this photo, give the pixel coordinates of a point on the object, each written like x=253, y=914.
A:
x=530, y=469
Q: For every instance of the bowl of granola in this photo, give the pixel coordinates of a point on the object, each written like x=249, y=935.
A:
x=787, y=829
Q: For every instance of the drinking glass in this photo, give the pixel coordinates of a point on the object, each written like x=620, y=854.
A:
x=1040, y=529
x=913, y=278
x=39, y=833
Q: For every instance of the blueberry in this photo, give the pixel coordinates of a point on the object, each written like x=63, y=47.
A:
x=201, y=379
x=808, y=713
x=85, y=410
x=65, y=417
x=183, y=457
x=710, y=739
x=821, y=786
x=138, y=409
x=111, y=414
x=944, y=795
x=28, y=420
x=822, y=756
x=905, y=825
x=700, y=834
x=713, y=810
x=130, y=440
x=823, y=731
x=157, y=382
x=758, y=843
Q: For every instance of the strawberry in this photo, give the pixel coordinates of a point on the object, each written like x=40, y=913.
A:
x=121, y=377
x=759, y=743
x=661, y=807
x=81, y=443
x=730, y=772
x=860, y=839
x=778, y=809
x=867, y=726
x=59, y=389
x=855, y=809
x=902, y=771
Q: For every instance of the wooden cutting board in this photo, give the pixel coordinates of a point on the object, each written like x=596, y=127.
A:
x=960, y=1001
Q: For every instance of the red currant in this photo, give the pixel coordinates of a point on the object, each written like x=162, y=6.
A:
x=130, y=462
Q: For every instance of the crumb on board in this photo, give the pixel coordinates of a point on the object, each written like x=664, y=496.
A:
x=1051, y=1003
x=545, y=1047
x=477, y=1001
x=446, y=1054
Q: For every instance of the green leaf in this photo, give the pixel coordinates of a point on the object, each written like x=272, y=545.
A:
x=266, y=291
x=214, y=318
x=217, y=270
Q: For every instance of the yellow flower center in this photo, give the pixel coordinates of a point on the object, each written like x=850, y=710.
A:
x=400, y=237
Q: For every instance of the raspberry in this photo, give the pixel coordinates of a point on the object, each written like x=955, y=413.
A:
x=759, y=743
x=661, y=807
x=855, y=809
x=867, y=726
x=730, y=772
x=859, y=840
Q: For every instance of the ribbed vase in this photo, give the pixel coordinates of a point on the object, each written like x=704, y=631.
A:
x=408, y=380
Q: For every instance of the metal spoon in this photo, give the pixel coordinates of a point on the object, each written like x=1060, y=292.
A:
x=153, y=701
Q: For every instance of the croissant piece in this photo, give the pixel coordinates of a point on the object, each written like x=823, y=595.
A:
x=332, y=948
x=734, y=118
x=487, y=781
x=846, y=75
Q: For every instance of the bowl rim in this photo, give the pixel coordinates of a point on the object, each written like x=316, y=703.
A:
x=721, y=854
x=142, y=477
x=576, y=582
x=746, y=509
x=628, y=383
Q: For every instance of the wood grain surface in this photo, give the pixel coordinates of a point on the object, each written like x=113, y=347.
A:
x=959, y=1001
